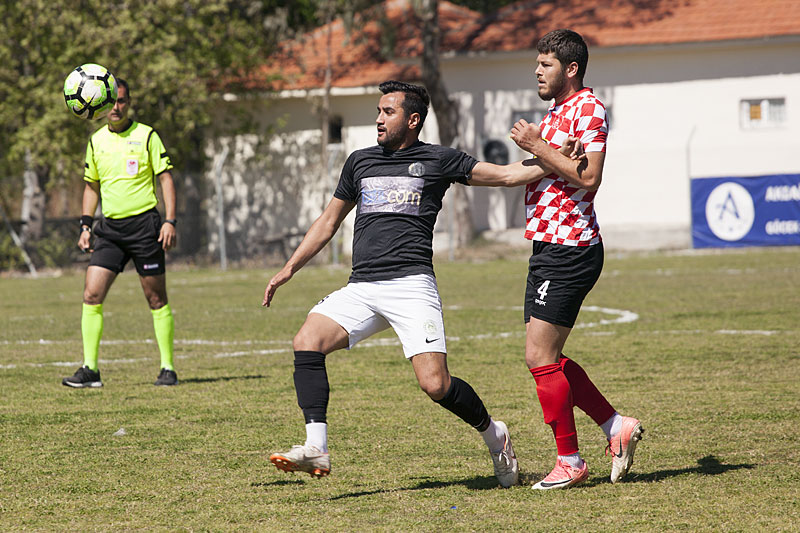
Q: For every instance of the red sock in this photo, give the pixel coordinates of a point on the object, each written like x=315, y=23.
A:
x=555, y=396
x=584, y=394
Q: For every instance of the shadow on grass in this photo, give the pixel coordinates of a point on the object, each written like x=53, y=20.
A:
x=474, y=483
x=219, y=378
x=278, y=483
x=707, y=466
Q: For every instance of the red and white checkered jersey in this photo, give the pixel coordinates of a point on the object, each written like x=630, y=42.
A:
x=557, y=211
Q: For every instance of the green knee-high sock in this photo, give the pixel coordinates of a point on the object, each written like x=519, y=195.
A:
x=92, y=330
x=165, y=333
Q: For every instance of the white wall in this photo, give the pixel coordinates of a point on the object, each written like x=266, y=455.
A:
x=674, y=114
x=272, y=179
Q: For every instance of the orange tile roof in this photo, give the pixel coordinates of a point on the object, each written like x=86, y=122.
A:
x=626, y=23
x=359, y=61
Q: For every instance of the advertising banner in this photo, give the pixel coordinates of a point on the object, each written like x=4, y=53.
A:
x=749, y=211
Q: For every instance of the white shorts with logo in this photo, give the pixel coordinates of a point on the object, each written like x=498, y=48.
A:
x=409, y=305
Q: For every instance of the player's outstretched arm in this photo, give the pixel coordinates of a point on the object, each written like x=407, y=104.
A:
x=91, y=196
x=317, y=236
x=585, y=173
x=521, y=172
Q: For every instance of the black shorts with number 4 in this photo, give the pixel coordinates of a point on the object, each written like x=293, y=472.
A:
x=559, y=278
x=119, y=240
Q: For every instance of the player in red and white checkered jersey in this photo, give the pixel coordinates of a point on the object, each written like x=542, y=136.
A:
x=567, y=256
x=557, y=210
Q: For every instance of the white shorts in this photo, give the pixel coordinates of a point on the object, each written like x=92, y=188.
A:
x=410, y=305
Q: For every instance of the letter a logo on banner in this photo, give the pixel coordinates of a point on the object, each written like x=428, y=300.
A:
x=730, y=211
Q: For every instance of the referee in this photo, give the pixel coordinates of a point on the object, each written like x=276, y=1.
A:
x=123, y=160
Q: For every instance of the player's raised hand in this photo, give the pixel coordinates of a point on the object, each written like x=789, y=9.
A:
x=526, y=134
x=284, y=275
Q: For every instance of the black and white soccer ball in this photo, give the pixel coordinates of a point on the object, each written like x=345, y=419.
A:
x=90, y=91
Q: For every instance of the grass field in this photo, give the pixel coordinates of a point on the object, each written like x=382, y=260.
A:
x=704, y=348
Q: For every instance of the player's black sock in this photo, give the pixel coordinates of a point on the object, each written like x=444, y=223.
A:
x=311, y=385
x=464, y=402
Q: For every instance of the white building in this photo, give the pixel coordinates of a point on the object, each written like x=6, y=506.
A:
x=705, y=88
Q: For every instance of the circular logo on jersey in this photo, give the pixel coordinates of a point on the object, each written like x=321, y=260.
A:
x=729, y=211
x=416, y=169
x=429, y=326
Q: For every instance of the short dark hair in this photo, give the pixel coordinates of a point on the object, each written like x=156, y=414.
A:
x=123, y=83
x=416, y=98
x=568, y=46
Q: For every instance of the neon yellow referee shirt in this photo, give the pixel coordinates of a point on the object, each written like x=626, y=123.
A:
x=126, y=165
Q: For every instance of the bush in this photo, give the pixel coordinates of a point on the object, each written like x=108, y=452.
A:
x=10, y=255
x=58, y=248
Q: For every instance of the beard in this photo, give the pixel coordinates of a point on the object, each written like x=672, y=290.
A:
x=392, y=140
x=553, y=88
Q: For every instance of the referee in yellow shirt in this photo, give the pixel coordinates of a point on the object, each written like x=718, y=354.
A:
x=123, y=160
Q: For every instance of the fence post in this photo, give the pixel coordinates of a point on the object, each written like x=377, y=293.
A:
x=223, y=252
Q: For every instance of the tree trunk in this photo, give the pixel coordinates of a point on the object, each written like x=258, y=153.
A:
x=446, y=113
x=325, y=122
x=34, y=201
x=325, y=108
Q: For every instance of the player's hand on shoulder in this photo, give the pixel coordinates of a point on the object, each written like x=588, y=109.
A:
x=573, y=148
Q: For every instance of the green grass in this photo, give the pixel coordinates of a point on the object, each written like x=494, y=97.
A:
x=711, y=366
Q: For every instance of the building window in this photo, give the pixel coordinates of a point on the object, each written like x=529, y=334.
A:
x=495, y=151
x=335, y=129
x=762, y=113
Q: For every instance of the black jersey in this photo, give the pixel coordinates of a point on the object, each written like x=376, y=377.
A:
x=398, y=196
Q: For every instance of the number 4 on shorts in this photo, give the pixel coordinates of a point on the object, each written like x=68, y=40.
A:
x=542, y=290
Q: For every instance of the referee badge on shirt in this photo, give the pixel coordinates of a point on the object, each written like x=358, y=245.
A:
x=132, y=167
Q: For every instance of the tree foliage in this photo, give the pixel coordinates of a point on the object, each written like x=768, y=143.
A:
x=173, y=53
x=169, y=51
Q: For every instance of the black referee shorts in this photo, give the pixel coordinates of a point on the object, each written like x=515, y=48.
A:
x=559, y=278
x=118, y=240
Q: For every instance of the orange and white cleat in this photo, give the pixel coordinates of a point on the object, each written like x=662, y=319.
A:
x=304, y=459
x=622, y=447
x=563, y=476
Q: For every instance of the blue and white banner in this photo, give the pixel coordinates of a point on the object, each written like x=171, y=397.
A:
x=753, y=211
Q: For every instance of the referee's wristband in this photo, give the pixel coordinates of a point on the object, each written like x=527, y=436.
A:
x=172, y=221
x=87, y=220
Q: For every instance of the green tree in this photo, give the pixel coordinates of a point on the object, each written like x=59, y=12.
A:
x=172, y=52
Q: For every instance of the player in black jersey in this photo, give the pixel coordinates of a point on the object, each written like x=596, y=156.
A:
x=397, y=188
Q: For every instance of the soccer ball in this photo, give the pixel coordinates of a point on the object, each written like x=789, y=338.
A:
x=90, y=91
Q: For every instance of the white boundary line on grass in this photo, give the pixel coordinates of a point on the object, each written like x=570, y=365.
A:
x=622, y=316
x=150, y=341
